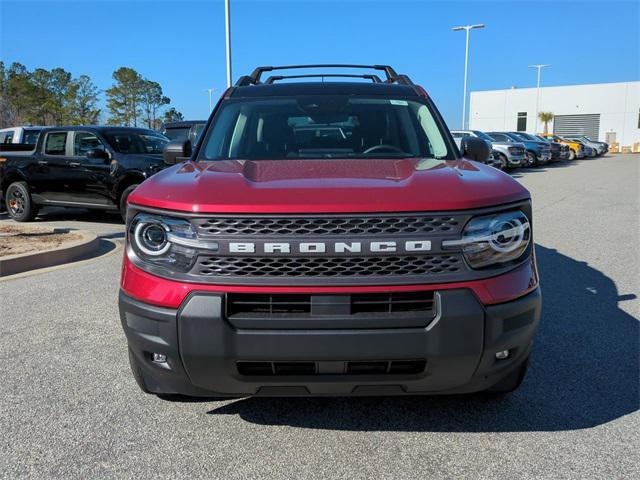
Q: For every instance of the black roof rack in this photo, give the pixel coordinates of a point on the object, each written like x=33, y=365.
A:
x=275, y=78
x=391, y=75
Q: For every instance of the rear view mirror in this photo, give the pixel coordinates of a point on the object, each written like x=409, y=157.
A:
x=176, y=151
x=475, y=149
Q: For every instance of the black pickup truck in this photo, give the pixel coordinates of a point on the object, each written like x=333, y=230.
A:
x=87, y=167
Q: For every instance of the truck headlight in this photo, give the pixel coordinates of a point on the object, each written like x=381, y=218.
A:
x=494, y=239
x=165, y=241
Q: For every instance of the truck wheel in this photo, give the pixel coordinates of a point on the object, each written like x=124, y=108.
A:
x=532, y=160
x=19, y=202
x=123, y=200
x=137, y=373
x=503, y=163
x=512, y=381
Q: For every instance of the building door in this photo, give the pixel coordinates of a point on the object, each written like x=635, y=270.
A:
x=587, y=124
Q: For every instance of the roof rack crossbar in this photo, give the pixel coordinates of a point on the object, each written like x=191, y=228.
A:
x=275, y=78
x=391, y=75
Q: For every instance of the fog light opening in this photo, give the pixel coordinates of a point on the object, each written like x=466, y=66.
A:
x=503, y=354
x=158, y=358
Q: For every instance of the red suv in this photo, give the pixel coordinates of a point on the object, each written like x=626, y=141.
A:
x=328, y=238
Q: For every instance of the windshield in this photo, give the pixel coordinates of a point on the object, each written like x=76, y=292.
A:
x=527, y=137
x=483, y=136
x=323, y=126
x=179, y=133
x=136, y=142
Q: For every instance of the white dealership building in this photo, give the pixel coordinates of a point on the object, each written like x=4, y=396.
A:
x=604, y=111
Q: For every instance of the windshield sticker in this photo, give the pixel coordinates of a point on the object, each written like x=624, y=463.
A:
x=402, y=103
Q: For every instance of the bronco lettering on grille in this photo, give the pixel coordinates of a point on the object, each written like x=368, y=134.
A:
x=389, y=246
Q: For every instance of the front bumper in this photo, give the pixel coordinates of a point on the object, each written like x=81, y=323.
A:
x=515, y=160
x=544, y=157
x=203, y=349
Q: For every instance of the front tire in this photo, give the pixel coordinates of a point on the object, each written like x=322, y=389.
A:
x=19, y=203
x=503, y=162
x=572, y=154
x=532, y=160
x=123, y=200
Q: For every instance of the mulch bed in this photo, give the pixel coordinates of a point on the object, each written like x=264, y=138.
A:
x=17, y=240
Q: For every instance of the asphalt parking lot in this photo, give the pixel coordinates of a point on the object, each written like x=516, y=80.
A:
x=69, y=407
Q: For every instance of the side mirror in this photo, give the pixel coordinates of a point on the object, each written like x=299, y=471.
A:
x=475, y=149
x=98, y=154
x=176, y=151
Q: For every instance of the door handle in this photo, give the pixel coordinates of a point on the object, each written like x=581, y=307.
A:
x=43, y=162
x=74, y=164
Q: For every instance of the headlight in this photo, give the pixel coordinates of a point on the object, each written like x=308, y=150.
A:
x=493, y=239
x=165, y=241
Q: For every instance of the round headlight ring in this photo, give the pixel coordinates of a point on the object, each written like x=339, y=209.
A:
x=507, y=234
x=151, y=238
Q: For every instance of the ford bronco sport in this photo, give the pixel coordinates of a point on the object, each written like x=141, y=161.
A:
x=328, y=238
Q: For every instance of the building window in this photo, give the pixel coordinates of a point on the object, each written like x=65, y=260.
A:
x=522, y=121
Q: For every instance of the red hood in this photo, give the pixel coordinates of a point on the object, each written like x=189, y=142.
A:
x=327, y=186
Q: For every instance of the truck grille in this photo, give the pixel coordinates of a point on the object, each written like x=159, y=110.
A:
x=301, y=305
x=328, y=225
x=327, y=267
x=378, y=367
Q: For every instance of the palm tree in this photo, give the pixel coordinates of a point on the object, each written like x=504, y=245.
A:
x=545, y=117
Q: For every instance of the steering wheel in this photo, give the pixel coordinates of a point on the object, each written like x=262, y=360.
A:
x=375, y=148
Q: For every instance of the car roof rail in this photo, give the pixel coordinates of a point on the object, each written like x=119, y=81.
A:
x=391, y=75
x=275, y=78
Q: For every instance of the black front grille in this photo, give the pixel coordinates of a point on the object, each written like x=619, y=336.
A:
x=302, y=305
x=240, y=226
x=516, y=151
x=377, y=367
x=327, y=267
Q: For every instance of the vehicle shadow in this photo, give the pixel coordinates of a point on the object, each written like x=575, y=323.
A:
x=583, y=372
x=55, y=214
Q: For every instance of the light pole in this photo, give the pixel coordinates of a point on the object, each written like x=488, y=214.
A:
x=210, y=90
x=227, y=28
x=467, y=28
x=539, y=66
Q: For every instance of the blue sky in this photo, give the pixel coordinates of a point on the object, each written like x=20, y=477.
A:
x=181, y=43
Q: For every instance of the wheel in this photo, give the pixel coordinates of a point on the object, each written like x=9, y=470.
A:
x=532, y=160
x=512, y=381
x=503, y=163
x=19, y=203
x=137, y=373
x=572, y=154
x=123, y=200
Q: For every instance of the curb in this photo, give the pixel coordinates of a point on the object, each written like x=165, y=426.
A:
x=71, y=252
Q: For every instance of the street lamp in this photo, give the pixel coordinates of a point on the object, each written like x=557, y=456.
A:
x=227, y=28
x=210, y=90
x=539, y=66
x=467, y=28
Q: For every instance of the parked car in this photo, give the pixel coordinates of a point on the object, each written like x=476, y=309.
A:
x=589, y=151
x=576, y=149
x=27, y=135
x=327, y=238
x=559, y=151
x=184, y=130
x=505, y=154
x=88, y=167
x=536, y=152
x=600, y=147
